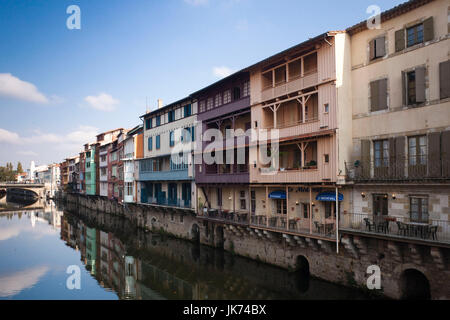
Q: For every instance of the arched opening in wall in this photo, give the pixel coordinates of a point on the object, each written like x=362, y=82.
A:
x=219, y=237
x=414, y=285
x=302, y=274
x=195, y=233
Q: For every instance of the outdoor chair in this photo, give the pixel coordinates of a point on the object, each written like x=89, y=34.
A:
x=318, y=226
x=402, y=228
x=432, y=232
x=369, y=225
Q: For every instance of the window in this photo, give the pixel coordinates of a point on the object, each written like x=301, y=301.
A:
x=187, y=110
x=128, y=188
x=378, y=95
x=171, y=138
x=310, y=63
x=236, y=93
x=414, y=86
x=417, y=150
x=411, y=85
x=227, y=97
x=88, y=164
x=209, y=104
x=414, y=35
x=158, y=142
x=246, y=92
x=295, y=69
x=419, y=209
x=103, y=158
x=444, y=79
x=267, y=80
x=243, y=200
x=305, y=210
x=219, y=197
x=148, y=123
x=202, y=106
x=150, y=143
x=103, y=171
x=114, y=171
x=158, y=120
x=171, y=116
x=381, y=153
x=280, y=75
x=218, y=100
x=281, y=206
x=326, y=108
x=380, y=204
x=253, y=201
x=377, y=48
x=326, y=158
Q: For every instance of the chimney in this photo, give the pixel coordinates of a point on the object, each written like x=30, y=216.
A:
x=160, y=103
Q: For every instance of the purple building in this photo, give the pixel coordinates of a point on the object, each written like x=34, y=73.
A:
x=223, y=186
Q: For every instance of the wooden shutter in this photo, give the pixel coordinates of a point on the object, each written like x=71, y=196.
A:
x=382, y=94
x=374, y=97
x=444, y=79
x=445, y=154
x=400, y=157
x=380, y=49
x=428, y=29
x=372, y=49
x=434, y=154
x=399, y=40
x=391, y=157
x=365, y=158
x=420, y=84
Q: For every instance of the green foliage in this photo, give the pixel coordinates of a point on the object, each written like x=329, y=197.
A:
x=7, y=173
x=19, y=167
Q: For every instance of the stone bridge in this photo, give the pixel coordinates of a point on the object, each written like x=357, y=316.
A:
x=37, y=188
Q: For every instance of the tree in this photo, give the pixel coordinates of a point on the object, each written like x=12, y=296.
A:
x=19, y=167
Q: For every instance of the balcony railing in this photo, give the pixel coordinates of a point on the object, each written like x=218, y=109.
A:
x=227, y=169
x=397, y=226
x=291, y=123
x=398, y=169
x=177, y=203
x=301, y=226
x=226, y=216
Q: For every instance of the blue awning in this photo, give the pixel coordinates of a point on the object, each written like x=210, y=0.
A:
x=329, y=196
x=277, y=195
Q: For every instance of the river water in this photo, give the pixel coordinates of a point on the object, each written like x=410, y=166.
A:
x=47, y=253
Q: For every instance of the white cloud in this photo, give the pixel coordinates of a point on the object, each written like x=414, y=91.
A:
x=13, y=87
x=17, y=281
x=9, y=137
x=103, y=102
x=222, y=72
x=83, y=135
x=197, y=2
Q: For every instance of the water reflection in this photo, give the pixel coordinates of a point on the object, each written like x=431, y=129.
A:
x=13, y=283
x=139, y=265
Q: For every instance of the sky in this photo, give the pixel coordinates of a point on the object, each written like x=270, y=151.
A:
x=60, y=87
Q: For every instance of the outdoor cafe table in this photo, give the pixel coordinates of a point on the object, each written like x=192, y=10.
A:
x=418, y=227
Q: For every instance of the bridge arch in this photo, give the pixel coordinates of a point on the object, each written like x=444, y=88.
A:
x=414, y=285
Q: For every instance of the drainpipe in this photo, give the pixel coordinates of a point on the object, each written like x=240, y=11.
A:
x=337, y=220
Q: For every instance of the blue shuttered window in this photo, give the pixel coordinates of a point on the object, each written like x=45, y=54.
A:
x=150, y=143
x=158, y=142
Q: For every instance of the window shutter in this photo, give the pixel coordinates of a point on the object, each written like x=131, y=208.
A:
x=399, y=40
x=400, y=157
x=372, y=49
x=428, y=29
x=382, y=94
x=380, y=48
x=444, y=79
x=434, y=154
x=365, y=158
x=445, y=154
x=420, y=84
x=391, y=157
x=374, y=97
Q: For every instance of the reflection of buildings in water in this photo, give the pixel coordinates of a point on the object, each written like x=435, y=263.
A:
x=91, y=249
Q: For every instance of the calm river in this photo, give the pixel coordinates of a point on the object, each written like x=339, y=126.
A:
x=47, y=253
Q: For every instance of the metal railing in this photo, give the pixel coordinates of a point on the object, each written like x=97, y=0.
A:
x=398, y=226
x=177, y=203
x=227, y=216
x=399, y=169
x=301, y=226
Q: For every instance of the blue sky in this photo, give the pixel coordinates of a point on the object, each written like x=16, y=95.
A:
x=60, y=87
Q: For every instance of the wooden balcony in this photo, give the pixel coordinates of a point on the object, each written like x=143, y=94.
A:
x=293, y=85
